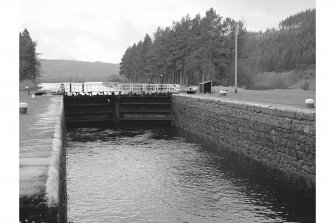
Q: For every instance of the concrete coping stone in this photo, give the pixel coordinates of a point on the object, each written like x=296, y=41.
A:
x=285, y=111
x=52, y=185
x=23, y=105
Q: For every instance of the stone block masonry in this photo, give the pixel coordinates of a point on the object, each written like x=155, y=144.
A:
x=282, y=138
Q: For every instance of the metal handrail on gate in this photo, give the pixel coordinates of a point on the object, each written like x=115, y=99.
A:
x=149, y=87
x=89, y=89
x=84, y=88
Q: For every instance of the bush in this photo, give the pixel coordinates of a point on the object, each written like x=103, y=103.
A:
x=115, y=78
x=29, y=83
x=273, y=80
x=305, y=84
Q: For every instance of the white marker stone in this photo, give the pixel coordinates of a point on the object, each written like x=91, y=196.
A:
x=223, y=92
x=309, y=103
x=23, y=108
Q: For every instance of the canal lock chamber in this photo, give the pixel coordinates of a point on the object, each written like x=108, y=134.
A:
x=116, y=118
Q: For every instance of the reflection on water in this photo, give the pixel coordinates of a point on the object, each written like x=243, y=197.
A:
x=151, y=175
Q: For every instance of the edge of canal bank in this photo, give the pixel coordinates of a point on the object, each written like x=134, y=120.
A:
x=56, y=182
x=43, y=160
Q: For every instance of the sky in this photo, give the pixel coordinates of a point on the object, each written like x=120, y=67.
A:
x=101, y=30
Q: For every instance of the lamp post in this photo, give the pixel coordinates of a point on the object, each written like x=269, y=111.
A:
x=70, y=85
x=236, y=32
x=82, y=85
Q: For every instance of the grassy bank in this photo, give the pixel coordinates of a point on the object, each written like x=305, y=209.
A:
x=290, y=97
x=283, y=97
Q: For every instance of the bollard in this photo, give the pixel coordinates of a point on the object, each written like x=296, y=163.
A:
x=309, y=103
x=33, y=96
x=23, y=108
x=28, y=89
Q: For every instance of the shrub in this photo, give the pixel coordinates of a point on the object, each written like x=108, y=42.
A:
x=273, y=80
x=29, y=83
x=115, y=78
x=305, y=84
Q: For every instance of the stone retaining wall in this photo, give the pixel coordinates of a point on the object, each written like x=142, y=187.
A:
x=283, y=138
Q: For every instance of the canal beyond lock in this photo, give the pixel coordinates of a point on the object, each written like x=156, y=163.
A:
x=161, y=175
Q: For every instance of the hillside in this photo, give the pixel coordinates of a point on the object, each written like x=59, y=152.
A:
x=290, y=47
x=61, y=70
x=280, y=57
x=203, y=48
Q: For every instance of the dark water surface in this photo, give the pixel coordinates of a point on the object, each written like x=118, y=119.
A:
x=152, y=175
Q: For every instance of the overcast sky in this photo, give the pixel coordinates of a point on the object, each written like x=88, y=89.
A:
x=101, y=30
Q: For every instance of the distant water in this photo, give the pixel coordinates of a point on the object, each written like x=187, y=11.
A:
x=141, y=175
x=50, y=86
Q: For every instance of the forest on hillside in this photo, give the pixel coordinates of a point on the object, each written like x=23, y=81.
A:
x=196, y=49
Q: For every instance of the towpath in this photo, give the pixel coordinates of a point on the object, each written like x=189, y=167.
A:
x=36, y=139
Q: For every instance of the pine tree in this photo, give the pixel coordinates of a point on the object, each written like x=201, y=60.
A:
x=203, y=48
x=29, y=65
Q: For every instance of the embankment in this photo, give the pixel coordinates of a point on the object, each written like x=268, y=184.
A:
x=281, y=138
x=42, y=160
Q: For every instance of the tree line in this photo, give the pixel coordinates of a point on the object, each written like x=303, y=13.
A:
x=190, y=51
x=29, y=66
x=196, y=49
